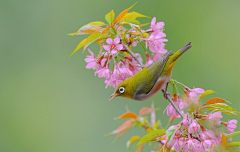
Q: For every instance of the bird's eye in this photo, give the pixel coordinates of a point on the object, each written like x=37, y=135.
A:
x=121, y=89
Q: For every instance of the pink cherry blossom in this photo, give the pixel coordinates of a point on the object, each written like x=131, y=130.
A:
x=193, y=145
x=157, y=26
x=113, y=45
x=195, y=93
x=91, y=60
x=208, y=144
x=194, y=127
x=215, y=117
x=149, y=59
x=155, y=42
x=119, y=74
x=132, y=64
x=104, y=72
x=208, y=135
x=134, y=43
x=185, y=120
x=231, y=125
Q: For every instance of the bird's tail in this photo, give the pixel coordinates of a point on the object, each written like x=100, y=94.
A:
x=185, y=48
x=173, y=58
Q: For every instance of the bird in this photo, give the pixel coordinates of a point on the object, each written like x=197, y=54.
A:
x=150, y=79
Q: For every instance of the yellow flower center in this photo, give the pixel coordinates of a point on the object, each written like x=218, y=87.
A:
x=113, y=46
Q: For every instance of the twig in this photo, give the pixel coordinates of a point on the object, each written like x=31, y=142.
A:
x=132, y=54
x=173, y=104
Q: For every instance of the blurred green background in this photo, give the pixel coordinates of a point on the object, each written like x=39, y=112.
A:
x=52, y=103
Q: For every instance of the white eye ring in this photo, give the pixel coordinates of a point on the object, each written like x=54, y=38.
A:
x=121, y=89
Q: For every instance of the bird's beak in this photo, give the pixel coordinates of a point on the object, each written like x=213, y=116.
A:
x=113, y=96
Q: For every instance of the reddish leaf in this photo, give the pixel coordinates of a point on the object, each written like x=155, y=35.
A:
x=145, y=110
x=122, y=14
x=165, y=148
x=215, y=100
x=92, y=30
x=128, y=115
x=123, y=128
x=224, y=140
x=88, y=26
x=139, y=149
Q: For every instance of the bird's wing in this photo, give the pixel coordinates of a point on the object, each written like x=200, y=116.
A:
x=155, y=69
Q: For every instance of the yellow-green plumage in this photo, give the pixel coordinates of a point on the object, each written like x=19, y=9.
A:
x=151, y=78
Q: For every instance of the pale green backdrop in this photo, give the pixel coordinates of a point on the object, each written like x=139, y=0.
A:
x=52, y=103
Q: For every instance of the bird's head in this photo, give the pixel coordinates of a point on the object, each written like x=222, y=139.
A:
x=124, y=89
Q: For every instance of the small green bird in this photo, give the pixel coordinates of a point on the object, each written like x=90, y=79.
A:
x=150, y=79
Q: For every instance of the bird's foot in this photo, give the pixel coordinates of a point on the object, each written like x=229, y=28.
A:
x=165, y=94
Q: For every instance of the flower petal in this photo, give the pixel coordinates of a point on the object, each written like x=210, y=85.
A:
x=116, y=40
x=109, y=41
x=107, y=47
x=114, y=51
x=159, y=25
x=91, y=65
x=90, y=52
x=153, y=21
x=119, y=47
x=134, y=43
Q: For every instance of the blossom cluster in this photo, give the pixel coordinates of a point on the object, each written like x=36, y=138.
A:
x=125, y=66
x=199, y=130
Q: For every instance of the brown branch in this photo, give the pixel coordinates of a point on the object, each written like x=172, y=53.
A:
x=132, y=54
x=173, y=104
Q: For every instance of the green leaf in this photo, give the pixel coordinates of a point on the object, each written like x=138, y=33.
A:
x=133, y=21
x=110, y=17
x=132, y=140
x=88, y=26
x=232, y=134
x=80, y=45
x=233, y=150
x=122, y=14
x=93, y=37
x=150, y=136
x=156, y=125
x=170, y=133
x=223, y=108
x=133, y=15
x=233, y=144
x=206, y=93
